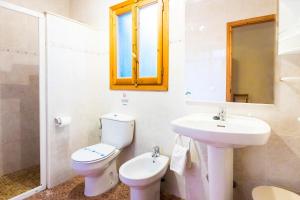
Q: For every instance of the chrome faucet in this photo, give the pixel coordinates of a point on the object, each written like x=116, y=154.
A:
x=221, y=114
x=155, y=152
x=187, y=93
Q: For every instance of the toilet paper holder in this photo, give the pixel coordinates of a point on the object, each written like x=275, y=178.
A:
x=61, y=121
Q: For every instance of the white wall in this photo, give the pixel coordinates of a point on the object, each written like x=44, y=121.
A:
x=153, y=110
x=276, y=163
x=73, y=80
x=74, y=90
x=61, y=7
x=95, y=8
x=289, y=32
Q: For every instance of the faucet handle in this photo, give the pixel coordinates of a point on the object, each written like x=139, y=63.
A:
x=222, y=113
x=222, y=109
x=156, y=148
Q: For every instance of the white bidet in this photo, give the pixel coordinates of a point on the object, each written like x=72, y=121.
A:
x=143, y=175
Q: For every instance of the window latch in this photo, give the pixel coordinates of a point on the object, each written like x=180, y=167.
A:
x=133, y=55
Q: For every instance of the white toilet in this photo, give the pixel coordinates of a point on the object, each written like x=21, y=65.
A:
x=143, y=175
x=97, y=163
x=273, y=193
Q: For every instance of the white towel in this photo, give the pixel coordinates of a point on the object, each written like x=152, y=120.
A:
x=179, y=158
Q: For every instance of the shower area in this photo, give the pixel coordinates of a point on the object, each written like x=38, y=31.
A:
x=49, y=67
x=21, y=109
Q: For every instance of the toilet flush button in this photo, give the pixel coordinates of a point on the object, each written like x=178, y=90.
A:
x=124, y=99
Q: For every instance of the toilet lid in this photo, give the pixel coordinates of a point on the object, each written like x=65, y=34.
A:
x=93, y=153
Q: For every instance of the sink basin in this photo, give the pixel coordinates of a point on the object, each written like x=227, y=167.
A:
x=221, y=137
x=236, y=131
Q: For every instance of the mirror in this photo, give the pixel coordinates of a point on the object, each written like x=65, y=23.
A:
x=230, y=50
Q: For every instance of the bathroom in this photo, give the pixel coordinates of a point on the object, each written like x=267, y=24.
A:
x=73, y=70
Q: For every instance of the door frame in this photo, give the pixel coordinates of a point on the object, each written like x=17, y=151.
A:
x=230, y=26
x=42, y=94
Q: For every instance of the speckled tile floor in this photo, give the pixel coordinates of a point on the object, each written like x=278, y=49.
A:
x=73, y=190
x=18, y=182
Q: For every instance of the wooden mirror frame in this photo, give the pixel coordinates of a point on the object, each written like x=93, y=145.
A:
x=230, y=26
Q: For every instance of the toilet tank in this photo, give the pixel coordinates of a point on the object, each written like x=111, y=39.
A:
x=117, y=130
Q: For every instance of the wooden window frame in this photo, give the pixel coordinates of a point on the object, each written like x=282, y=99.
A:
x=159, y=83
x=230, y=26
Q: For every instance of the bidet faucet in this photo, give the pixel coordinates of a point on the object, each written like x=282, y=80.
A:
x=155, y=152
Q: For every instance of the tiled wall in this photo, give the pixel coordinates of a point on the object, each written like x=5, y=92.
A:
x=74, y=90
x=153, y=110
x=19, y=91
x=276, y=163
x=78, y=98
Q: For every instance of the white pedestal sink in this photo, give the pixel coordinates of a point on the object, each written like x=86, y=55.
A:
x=222, y=137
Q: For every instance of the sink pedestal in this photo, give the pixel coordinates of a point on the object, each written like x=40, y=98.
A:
x=221, y=137
x=220, y=173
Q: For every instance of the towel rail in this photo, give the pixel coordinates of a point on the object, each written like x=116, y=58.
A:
x=290, y=78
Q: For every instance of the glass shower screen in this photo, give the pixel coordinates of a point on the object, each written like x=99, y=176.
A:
x=19, y=103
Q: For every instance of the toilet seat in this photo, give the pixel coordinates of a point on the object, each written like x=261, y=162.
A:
x=93, y=153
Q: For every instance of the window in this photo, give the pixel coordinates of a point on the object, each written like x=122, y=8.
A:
x=139, y=42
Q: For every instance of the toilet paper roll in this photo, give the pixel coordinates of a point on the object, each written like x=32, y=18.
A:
x=61, y=121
